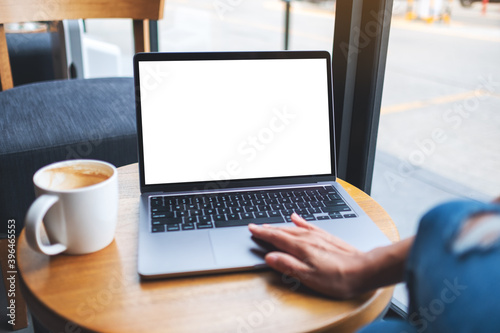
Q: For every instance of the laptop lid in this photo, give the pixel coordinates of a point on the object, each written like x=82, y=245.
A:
x=215, y=120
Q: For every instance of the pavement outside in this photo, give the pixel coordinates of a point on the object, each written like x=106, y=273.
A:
x=439, y=135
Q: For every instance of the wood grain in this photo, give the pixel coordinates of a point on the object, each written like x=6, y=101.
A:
x=5, y=70
x=141, y=36
x=13, y=11
x=102, y=291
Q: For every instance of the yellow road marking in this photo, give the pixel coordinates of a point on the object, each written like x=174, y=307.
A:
x=443, y=30
x=433, y=101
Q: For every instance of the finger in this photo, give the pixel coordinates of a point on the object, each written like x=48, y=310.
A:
x=280, y=238
x=300, y=222
x=287, y=264
x=256, y=229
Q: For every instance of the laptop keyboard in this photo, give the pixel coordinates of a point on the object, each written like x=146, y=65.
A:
x=229, y=209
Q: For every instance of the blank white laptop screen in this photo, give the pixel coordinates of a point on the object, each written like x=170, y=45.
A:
x=213, y=120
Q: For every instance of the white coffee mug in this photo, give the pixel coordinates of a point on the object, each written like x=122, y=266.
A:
x=78, y=203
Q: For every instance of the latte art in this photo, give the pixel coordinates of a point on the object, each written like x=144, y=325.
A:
x=74, y=176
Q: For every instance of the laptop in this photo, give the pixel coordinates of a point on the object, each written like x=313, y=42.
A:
x=231, y=138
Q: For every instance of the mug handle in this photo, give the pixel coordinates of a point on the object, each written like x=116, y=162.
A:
x=33, y=222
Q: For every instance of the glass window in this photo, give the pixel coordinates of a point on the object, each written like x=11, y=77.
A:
x=225, y=25
x=439, y=133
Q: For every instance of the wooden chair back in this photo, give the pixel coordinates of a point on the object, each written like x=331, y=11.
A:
x=16, y=11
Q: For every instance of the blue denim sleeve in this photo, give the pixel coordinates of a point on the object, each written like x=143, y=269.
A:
x=450, y=290
x=389, y=326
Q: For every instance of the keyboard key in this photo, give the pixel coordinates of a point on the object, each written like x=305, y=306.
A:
x=323, y=190
x=323, y=217
x=158, y=228
x=335, y=215
x=274, y=213
x=181, y=213
x=234, y=223
x=188, y=226
x=247, y=216
x=173, y=227
x=219, y=217
x=262, y=196
x=156, y=202
x=335, y=209
x=349, y=215
x=195, y=212
x=308, y=217
x=302, y=211
x=162, y=215
x=159, y=209
x=210, y=211
x=223, y=210
x=237, y=210
x=204, y=225
x=330, y=203
x=205, y=219
x=330, y=189
x=191, y=219
x=233, y=216
x=261, y=215
x=167, y=221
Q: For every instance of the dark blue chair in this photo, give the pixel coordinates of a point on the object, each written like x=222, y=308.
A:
x=49, y=121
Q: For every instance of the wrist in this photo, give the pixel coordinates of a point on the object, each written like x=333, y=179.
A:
x=382, y=266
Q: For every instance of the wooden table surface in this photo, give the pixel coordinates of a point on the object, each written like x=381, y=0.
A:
x=102, y=291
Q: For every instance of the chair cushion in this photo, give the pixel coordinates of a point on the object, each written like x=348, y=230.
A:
x=51, y=121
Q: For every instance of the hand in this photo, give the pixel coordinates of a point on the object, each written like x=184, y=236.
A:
x=316, y=258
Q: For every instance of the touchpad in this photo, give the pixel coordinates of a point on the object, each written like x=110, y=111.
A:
x=234, y=247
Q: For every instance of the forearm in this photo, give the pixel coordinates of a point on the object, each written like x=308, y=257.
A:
x=385, y=265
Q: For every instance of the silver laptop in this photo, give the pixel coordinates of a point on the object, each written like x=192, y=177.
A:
x=232, y=138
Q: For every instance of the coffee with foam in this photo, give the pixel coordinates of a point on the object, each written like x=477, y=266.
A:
x=73, y=177
x=76, y=204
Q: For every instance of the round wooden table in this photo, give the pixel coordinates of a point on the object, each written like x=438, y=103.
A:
x=102, y=291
